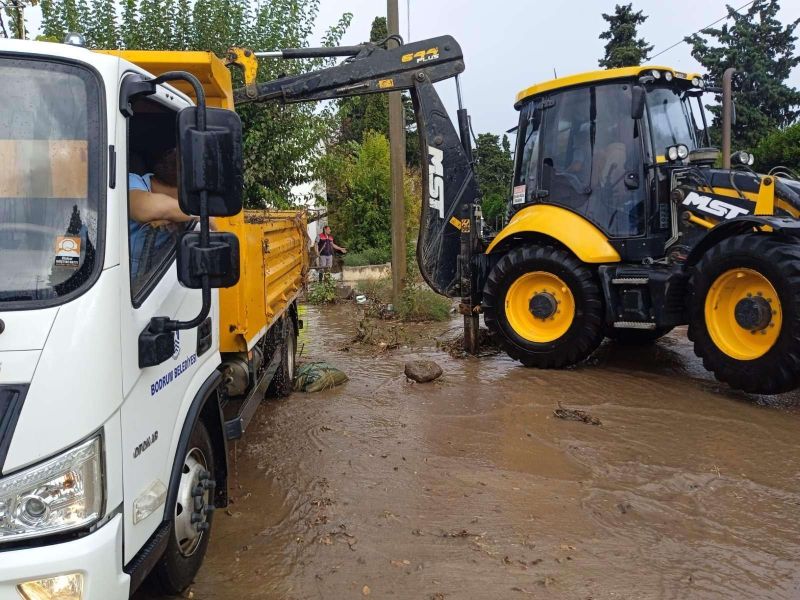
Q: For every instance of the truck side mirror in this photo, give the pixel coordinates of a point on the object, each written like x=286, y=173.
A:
x=218, y=259
x=210, y=161
x=637, y=102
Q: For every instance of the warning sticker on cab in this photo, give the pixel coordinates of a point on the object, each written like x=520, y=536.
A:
x=68, y=251
x=519, y=195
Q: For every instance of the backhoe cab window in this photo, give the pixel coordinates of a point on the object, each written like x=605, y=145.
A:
x=580, y=149
x=49, y=192
x=671, y=119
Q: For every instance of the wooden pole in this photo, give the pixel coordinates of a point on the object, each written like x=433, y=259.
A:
x=397, y=147
x=20, y=20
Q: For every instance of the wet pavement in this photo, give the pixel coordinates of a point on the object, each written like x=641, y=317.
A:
x=469, y=487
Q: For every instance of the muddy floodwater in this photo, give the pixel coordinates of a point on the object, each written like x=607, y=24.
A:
x=470, y=487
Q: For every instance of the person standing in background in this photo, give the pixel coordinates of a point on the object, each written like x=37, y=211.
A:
x=325, y=248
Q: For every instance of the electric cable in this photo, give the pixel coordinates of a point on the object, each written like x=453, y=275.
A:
x=683, y=40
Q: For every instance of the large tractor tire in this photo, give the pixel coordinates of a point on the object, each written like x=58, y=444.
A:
x=745, y=312
x=637, y=337
x=544, y=307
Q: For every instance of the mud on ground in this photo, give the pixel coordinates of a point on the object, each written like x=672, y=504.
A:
x=471, y=487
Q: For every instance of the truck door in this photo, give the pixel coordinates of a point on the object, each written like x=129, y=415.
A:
x=154, y=396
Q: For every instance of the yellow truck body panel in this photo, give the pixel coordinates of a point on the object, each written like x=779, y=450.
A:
x=206, y=66
x=273, y=245
x=273, y=269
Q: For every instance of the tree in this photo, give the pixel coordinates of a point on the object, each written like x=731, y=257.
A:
x=624, y=49
x=494, y=166
x=763, y=50
x=779, y=148
x=15, y=15
x=282, y=143
x=360, y=114
x=363, y=214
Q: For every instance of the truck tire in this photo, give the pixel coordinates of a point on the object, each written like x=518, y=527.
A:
x=191, y=527
x=544, y=307
x=283, y=382
x=637, y=337
x=745, y=316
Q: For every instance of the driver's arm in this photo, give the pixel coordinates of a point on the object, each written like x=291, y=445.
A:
x=150, y=206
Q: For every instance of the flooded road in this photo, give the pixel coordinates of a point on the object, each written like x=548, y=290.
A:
x=469, y=487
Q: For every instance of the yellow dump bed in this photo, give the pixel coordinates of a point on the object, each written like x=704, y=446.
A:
x=274, y=265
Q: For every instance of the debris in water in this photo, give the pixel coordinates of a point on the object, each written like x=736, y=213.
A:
x=365, y=590
x=454, y=346
x=423, y=371
x=574, y=414
x=318, y=376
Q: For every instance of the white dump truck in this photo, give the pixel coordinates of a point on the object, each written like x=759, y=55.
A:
x=121, y=376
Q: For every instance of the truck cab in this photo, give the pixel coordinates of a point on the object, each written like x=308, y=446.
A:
x=113, y=432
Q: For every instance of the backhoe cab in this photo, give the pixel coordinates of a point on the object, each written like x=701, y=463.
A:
x=621, y=226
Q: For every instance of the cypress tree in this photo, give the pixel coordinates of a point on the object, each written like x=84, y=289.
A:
x=624, y=49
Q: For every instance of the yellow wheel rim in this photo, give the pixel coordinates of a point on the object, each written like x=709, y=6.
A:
x=551, y=299
x=743, y=341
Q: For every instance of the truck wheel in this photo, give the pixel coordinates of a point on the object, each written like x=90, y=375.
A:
x=745, y=317
x=283, y=382
x=543, y=307
x=193, y=515
x=637, y=337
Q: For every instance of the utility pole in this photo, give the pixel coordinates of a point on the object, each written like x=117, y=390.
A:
x=397, y=147
x=20, y=20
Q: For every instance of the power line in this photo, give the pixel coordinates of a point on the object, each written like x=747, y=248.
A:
x=678, y=43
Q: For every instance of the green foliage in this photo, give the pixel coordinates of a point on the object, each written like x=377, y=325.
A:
x=494, y=167
x=357, y=176
x=779, y=148
x=323, y=292
x=763, y=50
x=281, y=144
x=624, y=49
x=370, y=256
x=423, y=304
x=360, y=114
x=12, y=18
x=376, y=290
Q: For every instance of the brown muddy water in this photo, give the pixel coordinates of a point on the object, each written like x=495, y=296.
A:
x=469, y=487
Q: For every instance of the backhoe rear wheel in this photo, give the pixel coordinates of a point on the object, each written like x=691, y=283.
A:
x=543, y=307
x=745, y=316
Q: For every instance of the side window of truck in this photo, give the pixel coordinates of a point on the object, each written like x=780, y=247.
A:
x=154, y=220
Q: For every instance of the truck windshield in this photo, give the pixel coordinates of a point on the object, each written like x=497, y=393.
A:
x=671, y=119
x=49, y=181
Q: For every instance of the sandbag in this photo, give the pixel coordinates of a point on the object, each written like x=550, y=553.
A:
x=318, y=376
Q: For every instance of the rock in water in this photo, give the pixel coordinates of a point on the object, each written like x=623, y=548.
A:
x=423, y=371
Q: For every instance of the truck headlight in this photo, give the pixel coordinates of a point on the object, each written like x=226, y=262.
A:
x=60, y=494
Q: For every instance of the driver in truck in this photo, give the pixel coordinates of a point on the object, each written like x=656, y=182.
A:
x=154, y=208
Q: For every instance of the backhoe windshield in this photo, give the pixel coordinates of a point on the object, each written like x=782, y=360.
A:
x=676, y=118
x=49, y=170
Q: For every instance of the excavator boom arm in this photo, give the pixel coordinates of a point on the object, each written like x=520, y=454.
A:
x=449, y=186
x=369, y=69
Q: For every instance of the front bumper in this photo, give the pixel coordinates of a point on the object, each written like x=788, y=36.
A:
x=97, y=556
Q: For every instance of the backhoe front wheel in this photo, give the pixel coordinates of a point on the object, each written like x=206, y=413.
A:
x=543, y=307
x=745, y=317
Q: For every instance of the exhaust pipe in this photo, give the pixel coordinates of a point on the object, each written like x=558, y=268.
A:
x=727, y=114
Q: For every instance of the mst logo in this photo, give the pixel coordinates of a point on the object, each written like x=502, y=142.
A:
x=436, y=180
x=712, y=206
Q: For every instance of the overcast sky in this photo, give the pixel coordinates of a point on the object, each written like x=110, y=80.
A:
x=511, y=44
